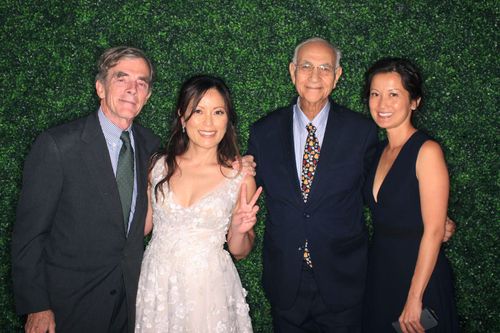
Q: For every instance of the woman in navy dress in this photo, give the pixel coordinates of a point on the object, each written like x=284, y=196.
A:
x=407, y=192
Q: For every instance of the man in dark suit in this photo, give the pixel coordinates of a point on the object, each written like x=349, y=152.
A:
x=78, y=239
x=312, y=158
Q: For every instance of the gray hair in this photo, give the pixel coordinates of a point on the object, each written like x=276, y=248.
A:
x=112, y=56
x=336, y=50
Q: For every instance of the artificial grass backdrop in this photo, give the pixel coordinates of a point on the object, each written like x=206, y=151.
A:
x=47, y=68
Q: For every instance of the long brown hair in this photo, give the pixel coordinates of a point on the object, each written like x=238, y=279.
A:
x=192, y=91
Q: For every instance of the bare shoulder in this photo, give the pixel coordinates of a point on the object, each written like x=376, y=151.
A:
x=157, y=167
x=249, y=179
x=431, y=160
x=430, y=150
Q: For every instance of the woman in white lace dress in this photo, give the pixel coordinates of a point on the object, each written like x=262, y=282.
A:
x=188, y=281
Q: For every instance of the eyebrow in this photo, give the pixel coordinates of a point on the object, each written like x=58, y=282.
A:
x=122, y=74
x=214, y=108
x=310, y=62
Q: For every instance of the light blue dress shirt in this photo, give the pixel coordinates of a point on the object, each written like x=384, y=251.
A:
x=300, y=121
x=112, y=135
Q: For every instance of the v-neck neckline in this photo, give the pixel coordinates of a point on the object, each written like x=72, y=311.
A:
x=217, y=187
x=376, y=196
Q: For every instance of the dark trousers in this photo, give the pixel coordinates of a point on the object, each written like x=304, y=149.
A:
x=309, y=313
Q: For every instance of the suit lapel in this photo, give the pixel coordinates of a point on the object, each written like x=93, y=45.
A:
x=289, y=154
x=330, y=139
x=95, y=155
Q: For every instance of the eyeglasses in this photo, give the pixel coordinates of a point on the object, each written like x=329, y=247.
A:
x=323, y=70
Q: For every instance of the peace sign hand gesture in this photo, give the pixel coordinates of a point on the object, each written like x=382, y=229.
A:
x=245, y=215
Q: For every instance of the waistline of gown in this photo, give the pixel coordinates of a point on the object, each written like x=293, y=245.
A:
x=392, y=231
x=194, y=239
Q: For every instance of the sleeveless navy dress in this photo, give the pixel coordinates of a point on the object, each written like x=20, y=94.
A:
x=398, y=228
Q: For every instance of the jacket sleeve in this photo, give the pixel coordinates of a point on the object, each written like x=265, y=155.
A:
x=370, y=147
x=42, y=186
x=253, y=149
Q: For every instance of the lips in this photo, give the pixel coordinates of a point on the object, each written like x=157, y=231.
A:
x=384, y=114
x=127, y=101
x=207, y=133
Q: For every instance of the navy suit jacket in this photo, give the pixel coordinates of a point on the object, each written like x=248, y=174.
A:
x=69, y=247
x=332, y=219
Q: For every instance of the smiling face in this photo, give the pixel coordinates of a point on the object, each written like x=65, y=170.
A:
x=124, y=91
x=314, y=86
x=389, y=102
x=207, y=124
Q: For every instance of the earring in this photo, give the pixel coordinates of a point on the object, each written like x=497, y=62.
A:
x=183, y=129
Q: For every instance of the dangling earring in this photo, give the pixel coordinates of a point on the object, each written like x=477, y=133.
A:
x=183, y=129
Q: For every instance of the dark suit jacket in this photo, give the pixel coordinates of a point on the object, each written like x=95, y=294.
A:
x=69, y=247
x=332, y=219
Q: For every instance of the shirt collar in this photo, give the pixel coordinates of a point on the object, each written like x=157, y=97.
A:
x=111, y=132
x=319, y=120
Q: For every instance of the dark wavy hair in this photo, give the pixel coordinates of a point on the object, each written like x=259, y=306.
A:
x=411, y=77
x=191, y=93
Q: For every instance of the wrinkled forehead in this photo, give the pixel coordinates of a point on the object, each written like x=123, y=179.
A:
x=131, y=65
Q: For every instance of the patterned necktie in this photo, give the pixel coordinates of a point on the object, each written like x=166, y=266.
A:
x=125, y=176
x=309, y=160
x=309, y=163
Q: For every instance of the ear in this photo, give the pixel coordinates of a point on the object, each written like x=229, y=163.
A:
x=183, y=121
x=147, y=97
x=292, y=68
x=99, y=88
x=415, y=103
x=338, y=73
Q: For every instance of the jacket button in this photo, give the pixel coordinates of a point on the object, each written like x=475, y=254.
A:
x=300, y=248
x=112, y=292
x=307, y=215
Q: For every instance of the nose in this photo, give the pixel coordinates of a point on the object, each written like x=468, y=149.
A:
x=382, y=102
x=132, y=87
x=315, y=74
x=208, y=119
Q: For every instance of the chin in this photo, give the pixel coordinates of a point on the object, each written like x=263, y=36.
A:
x=208, y=144
x=129, y=114
x=382, y=124
x=314, y=98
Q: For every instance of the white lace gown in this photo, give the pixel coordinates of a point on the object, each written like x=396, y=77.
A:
x=188, y=282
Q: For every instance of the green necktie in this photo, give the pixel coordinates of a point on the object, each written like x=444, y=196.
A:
x=125, y=176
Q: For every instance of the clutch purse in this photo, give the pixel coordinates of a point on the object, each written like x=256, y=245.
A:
x=428, y=319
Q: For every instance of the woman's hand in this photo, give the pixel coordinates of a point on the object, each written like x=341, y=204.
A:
x=245, y=215
x=409, y=320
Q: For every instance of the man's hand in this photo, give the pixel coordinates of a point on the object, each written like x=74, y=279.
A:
x=247, y=165
x=449, y=229
x=40, y=322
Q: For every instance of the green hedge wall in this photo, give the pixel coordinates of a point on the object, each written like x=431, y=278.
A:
x=49, y=50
